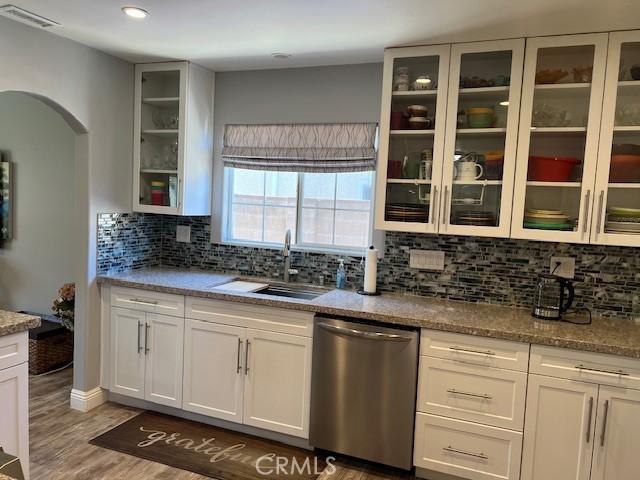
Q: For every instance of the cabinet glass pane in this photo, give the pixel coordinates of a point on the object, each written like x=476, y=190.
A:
x=558, y=136
x=411, y=135
x=159, y=123
x=623, y=198
x=478, y=163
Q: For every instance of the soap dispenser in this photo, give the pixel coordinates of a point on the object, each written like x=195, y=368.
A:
x=341, y=276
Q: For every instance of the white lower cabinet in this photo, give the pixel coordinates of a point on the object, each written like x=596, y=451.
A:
x=14, y=412
x=278, y=384
x=164, y=343
x=470, y=406
x=467, y=450
x=146, y=356
x=618, y=437
x=127, y=352
x=213, y=369
x=559, y=429
x=585, y=429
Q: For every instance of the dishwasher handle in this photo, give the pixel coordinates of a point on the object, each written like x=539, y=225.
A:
x=368, y=335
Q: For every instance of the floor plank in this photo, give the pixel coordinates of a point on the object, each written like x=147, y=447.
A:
x=60, y=450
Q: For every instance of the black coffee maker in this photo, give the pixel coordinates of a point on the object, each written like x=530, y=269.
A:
x=553, y=297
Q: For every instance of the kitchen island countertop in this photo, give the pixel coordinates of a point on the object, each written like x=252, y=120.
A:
x=11, y=322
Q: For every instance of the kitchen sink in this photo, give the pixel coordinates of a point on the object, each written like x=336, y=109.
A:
x=291, y=291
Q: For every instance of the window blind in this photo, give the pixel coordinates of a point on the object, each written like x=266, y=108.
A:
x=319, y=148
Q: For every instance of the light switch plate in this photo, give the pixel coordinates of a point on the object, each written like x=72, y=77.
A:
x=426, y=259
x=567, y=268
x=183, y=234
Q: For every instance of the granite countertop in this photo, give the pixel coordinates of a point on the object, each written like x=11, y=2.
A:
x=604, y=335
x=11, y=322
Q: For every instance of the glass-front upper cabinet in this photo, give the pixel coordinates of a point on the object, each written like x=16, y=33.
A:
x=173, y=144
x=558, y=140
x=616, y=217
x=412, y=127
x=485, y=79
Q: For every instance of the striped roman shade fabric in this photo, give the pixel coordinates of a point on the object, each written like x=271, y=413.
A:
x=320, y=148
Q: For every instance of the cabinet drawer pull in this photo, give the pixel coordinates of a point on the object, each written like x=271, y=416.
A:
x=462, y=452
x=469, y=394
x=239, y=367
x=604, y=422
x=143, y=302
x=246, y=358
x=146, y=338
x=471, y=350
x=589, y=420
x=620, y=373
x=139, y=346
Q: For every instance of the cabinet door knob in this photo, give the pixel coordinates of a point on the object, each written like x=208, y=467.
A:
x=246, y=358
x=146, y=338
x=589, y=419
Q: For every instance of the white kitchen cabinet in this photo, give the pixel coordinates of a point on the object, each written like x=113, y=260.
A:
x=486, y=395
x=278, y=383
x=617, y=181
x=559, y=117
x=146, y=356
x=467, y=450
x=405, y=202
x=173, y=139
x=213, y=369
x=479, y=203
x=127, y=352
x=559, y=431
x=164, y=341
x=618, y=435
x=14, y=412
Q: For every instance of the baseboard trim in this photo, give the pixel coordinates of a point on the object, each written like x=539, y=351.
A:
x=85, y=401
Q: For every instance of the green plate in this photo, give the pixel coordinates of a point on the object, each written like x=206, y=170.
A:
x=549, y=226
x=624, y=212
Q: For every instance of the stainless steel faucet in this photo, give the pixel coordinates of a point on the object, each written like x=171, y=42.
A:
x=286, y=253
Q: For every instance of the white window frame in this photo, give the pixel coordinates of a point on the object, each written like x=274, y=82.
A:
x=373, y=237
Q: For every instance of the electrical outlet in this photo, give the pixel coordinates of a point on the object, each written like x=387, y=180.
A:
x=183, y=234
x=567, y=268
x=426, y=259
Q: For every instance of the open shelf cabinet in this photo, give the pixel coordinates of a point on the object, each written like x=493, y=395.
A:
x=173, y=146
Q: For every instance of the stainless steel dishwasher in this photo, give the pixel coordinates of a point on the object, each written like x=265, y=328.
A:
x=363, y=391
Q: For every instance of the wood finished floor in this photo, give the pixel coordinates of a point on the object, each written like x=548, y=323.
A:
x=60, y=450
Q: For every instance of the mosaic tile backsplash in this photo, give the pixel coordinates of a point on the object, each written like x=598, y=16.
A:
x=498, y=271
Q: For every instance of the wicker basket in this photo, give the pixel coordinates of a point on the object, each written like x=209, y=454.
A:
x=50, y=347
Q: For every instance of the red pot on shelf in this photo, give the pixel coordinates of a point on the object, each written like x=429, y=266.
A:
x=624, y=168
x=398, y=120
x=551, y=169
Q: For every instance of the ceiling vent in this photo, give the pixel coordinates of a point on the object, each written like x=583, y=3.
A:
x=24, y=16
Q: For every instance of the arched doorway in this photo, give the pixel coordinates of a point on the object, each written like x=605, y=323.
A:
x=78, y=226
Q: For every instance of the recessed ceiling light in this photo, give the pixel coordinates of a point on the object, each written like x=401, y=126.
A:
x=135, y=12
x=281, y=56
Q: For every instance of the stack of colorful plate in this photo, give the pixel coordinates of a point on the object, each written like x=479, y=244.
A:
x=623, y=220
x=547, y=219
x=406, y=212
x=472, y=217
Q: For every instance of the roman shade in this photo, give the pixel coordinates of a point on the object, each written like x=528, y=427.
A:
x=320, y=148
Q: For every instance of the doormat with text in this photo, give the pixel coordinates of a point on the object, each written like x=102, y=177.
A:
x=208, y=450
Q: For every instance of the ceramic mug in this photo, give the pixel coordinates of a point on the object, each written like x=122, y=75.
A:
x=467, y=171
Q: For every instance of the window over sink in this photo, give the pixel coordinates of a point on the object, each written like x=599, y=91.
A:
x=324, y=211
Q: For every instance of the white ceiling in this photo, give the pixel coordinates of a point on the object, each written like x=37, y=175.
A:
x=241, y=34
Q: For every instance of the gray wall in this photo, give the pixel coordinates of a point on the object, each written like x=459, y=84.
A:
x=40, y=258
x=94, y=92
x=346, y=93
